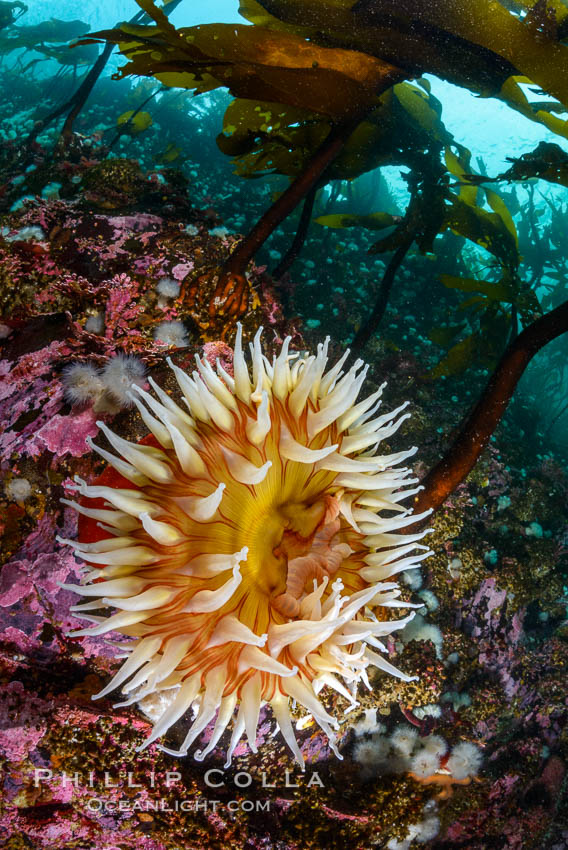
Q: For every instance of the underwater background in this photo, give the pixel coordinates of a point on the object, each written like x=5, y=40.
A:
x=390, y=175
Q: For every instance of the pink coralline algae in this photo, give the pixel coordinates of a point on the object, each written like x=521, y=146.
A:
x=33, y=385
x=68, y=434
x=181, y=270
x=30, y=385
x=23, y=721
x=31, y=596
x=122, y=307
x=27, y=579
x=485, y=615
x=126, y=225
x=214, y=351
x=154, y=266
x=40, y=540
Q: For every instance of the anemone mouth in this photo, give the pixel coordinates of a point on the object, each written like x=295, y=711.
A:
x=246, y=548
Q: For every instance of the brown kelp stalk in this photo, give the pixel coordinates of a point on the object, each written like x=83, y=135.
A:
x=300, y=236
x=424, y=219
x=123, y=130
x=370, y=326
x=486, y=415
x=232, y=281
x=76, y=102
x=79, y=99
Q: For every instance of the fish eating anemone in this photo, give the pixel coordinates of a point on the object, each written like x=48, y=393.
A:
x=249, y=545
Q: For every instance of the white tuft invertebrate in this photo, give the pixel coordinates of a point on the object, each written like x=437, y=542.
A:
x=118, y=376
x=171, y=333
x=82, y=383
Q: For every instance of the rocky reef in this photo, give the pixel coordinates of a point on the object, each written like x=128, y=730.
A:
x=118, y=267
